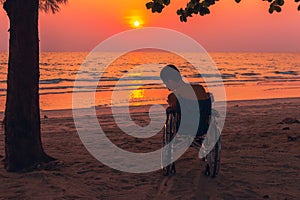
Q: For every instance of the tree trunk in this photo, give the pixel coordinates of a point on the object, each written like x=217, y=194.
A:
x=23, y=147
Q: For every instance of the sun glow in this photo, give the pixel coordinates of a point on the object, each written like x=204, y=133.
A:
x=135, y=18
x=135, y=21
x=137, y=94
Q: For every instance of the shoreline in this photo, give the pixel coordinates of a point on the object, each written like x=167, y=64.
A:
x=142, y=108
x=147, y=105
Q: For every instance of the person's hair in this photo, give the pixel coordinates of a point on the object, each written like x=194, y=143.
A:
x=170, y=72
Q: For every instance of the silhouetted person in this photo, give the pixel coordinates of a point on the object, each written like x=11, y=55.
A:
x=172, y=78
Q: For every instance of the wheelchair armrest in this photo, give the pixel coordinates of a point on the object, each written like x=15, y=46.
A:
x=169, y=110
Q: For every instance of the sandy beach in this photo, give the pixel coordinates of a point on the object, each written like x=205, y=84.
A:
x=260, y=160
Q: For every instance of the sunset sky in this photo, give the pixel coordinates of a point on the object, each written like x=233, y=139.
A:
x=246, y=26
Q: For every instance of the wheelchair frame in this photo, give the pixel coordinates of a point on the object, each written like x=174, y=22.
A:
x=212, y=159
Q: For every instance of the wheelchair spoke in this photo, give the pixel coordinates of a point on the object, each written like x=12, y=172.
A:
x=166, y=157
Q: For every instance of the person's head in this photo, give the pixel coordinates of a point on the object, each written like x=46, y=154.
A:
x=171, y=76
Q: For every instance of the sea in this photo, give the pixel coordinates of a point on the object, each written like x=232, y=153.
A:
x=133, y=78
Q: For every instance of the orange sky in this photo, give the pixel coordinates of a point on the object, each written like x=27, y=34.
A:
x=247, y=26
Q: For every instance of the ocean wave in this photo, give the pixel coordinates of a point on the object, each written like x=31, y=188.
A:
x=55, y=81
x=286, y=88
x=96, y=79
x=224, y=76
x=250, y=74
x=286, y=72
x=279, y=78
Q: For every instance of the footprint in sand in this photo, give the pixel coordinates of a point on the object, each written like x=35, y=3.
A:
x=290, y=120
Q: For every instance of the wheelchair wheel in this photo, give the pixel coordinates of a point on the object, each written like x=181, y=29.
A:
x=214, y=160
x=169, y=132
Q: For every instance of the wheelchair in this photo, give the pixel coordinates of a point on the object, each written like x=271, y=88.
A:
x=212, y=158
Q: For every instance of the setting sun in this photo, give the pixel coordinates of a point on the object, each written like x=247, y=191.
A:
x=136, y=23
x=135, y=18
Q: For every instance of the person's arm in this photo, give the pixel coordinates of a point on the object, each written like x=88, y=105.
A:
x=200, y=92
x=172, y=101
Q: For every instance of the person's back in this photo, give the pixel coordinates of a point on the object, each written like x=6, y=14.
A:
x=181, y=93
x=203, y=101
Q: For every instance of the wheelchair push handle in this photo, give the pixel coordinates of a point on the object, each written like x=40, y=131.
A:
x=211, y=96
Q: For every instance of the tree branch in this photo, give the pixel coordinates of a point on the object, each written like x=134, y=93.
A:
x=202, y=7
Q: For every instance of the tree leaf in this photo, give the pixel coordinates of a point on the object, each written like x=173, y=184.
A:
x=149, y=5
x=277, y=8
x=51, y=5
x=280, y=2
x=166, y=2
x=183, y=18
x=271, y=9
x=210, y=2
x=156, y=7
x=180, y=11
